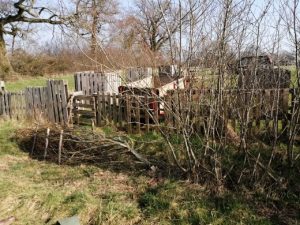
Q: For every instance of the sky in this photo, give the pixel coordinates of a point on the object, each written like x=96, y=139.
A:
x=44, y=33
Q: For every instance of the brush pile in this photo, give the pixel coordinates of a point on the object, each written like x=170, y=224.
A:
x=79, y=146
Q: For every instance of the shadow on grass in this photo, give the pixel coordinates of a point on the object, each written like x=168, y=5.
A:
x=182, y=204
x=175, y=200
x=90, y=151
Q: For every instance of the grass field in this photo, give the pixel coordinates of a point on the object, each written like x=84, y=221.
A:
x=38, y=192
x=22, y=83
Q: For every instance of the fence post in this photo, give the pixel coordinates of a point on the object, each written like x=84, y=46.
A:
x=2, y=86
x=64, y=99
x=60, y=146
x=128, y=114
x=98, y=109
x=8, y=104
x=156, y=111
x=2, y=91
x=109, y=113
x=138, y=114
x=115, y=109
x=103, y=107
x=121, y=110
x=34, y=140
x=46, y=143
x=147, y=111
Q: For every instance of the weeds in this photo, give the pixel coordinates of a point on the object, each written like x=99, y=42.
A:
x=38, y=192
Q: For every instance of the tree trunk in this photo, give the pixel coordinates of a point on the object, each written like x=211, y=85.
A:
x=5, y=66
x=94, y=30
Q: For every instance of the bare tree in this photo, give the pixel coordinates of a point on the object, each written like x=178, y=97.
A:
x=15, y=13
x=156, y=22
x=91, y=18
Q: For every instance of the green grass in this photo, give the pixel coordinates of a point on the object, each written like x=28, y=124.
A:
x=22, y=83
x=37, y=192
x=41, y=193
x=182, y=207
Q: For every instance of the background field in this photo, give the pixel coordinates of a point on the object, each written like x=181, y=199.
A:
x=22, y=82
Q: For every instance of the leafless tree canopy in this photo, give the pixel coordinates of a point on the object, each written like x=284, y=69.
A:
x=156, y=22
x=13, y=14
x=91, y=17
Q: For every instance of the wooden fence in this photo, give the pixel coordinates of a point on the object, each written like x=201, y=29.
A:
x=261, y=109
x=49, y=102
x=92, y=82
x=130, y=112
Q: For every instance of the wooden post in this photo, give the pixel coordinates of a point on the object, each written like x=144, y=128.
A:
x=121, y=110
x=34, y=141
x=49, y=97
x=103, y=107
x=54, y=101
x=147, y=111
x=2, y=90
x=156, y=111
x=98, y=109
x=2, y=86
x=58, y=102
x=75, y=109
x=115, y=109
x=128, y=114
x=8, y=101
x=60, y=146
x=46, y=143
x=93, y=125
x=109, y=111
x=138, y=114
x=64, y=104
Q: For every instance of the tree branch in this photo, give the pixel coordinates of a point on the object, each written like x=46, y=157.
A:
x=20, y=17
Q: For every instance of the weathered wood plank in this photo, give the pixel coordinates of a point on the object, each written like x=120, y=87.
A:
x=55, y=101
x=98, y=109
x=128, y=114
x=121, y=110
x=64, y=97
x=115, y=108
x=138, y=114
x=104, y=107
x=109, y=108
x=50, y=99
x=147, y=113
